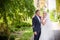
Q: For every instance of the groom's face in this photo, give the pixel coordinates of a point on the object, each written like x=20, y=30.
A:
x=38, y=13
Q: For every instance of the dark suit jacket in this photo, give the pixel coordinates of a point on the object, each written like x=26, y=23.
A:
x=36, y=24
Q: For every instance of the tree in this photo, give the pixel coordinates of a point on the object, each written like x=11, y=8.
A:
x=58, y=5
x=15, y=10
x=58, y=9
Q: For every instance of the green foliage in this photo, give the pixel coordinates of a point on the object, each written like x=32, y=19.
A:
x=13, y=13
x=12, y=37
x=59, y=18
x=16, y=11
x=53, y=15
x=19, y=26
x=13, y=9
x=27, y=34
x=4, y=32
x=24, y=24
x=58, y=9
x=58, y=5
x=13, y=29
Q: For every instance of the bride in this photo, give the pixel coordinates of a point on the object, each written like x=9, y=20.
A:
x=46, y=32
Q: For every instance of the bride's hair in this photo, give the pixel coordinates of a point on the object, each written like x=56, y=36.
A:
x=44, y=14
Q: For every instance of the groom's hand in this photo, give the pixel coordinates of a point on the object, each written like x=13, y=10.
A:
x=35, y=33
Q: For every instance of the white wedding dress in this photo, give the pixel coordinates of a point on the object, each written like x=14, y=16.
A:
x=46, y=30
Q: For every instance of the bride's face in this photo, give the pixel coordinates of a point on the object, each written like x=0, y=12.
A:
x=44, y=14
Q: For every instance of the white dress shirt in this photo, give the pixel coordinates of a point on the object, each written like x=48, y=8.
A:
x=38, y=18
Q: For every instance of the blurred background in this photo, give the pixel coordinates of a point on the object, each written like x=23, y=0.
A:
x=16, y=17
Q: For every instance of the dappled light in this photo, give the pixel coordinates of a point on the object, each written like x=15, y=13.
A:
x=16, y=17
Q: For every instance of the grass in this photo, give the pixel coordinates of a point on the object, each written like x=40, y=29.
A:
x=27, y=34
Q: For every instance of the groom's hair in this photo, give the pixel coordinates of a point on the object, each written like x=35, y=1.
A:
x=36, y=11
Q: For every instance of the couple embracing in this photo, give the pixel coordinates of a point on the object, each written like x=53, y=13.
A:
x=41, y=32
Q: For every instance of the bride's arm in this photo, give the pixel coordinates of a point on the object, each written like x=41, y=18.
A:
x=43, y=21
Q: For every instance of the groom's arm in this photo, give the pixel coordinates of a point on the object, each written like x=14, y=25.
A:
x=34, y=25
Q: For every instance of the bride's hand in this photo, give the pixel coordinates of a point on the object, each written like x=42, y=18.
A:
x=44, y=22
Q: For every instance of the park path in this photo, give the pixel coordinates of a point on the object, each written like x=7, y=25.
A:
x=18, y=34
x=55, y=26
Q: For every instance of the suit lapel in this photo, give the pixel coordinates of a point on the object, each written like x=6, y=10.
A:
x=37, y=18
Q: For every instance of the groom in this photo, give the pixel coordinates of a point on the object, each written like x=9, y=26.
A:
x=36, y=22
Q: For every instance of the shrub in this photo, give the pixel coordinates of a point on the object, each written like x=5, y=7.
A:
x=23, y=24
x=59, y=18
x=12, y=37
x=4, y=32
